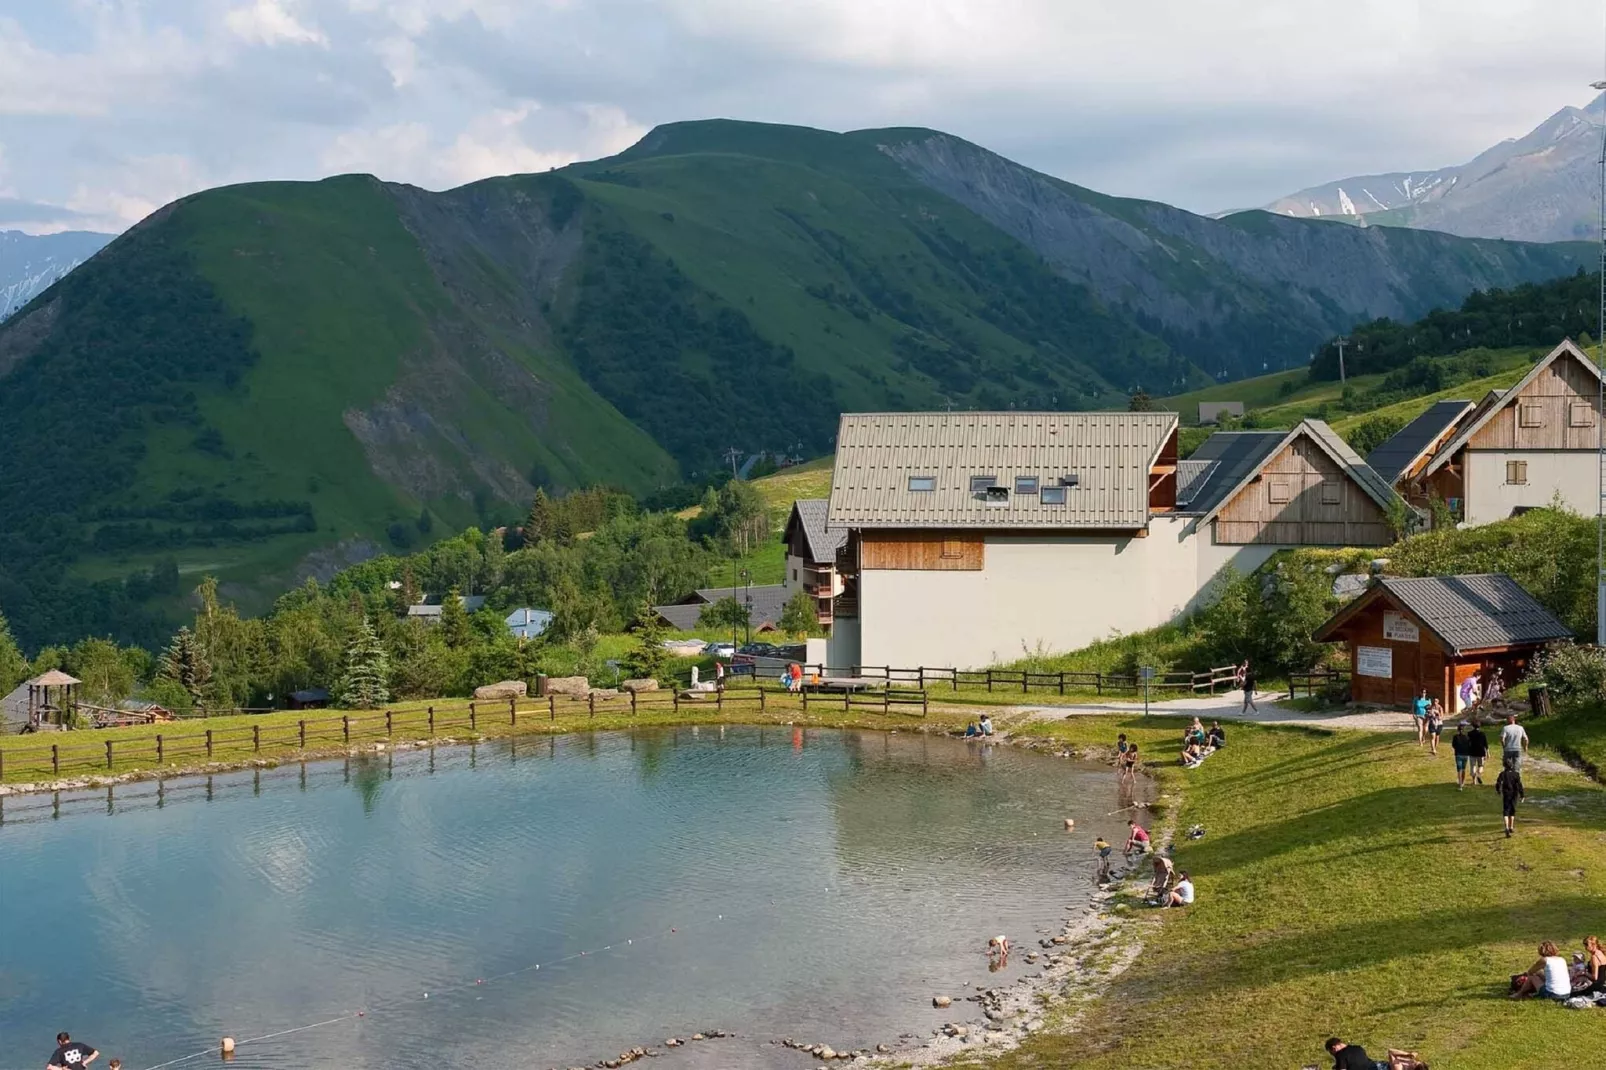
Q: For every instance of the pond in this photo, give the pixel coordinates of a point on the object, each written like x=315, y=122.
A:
x=559, y=900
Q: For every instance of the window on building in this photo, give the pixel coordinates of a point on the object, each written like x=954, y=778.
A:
x=1278, y=492
x=953, y=548
x=922, y=483
x=1070, y=480
x=982, y=484
x=1025, y=484
x=1332, y=492
x=997, y=495
x=1516, y=471
x=794, y=575
x=1530, y=416
x=1580, y=414
x=1052, y=496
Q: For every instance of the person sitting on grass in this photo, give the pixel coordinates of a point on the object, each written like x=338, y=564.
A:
x=1548, y=977
x=1354, y=1057
x=1218, y=736
x=1182, y=891
x=986, y=725
x=1595, y=965
x=971, y=731
x=1192, y=754
x=1137, y=839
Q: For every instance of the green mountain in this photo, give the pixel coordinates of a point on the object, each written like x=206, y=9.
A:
x=264, y=382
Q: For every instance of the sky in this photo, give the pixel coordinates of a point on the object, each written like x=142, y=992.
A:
x=111, y=108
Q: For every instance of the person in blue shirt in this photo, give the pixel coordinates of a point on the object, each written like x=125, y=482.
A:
x=1419, y=710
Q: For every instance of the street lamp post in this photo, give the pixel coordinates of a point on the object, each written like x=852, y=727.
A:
x=747, y=580
x=1600, y=409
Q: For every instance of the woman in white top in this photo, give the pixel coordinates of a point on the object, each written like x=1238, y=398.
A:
x=1547, y=977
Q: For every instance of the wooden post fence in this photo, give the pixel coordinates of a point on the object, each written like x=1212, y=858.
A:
x=159, y=755
x=108, y=754
x=209, y=743
x=432, y=722
x=256, y=737
x=303, y=725
x=55, y=759
x=473, y=718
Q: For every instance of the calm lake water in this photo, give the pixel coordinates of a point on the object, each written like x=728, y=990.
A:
x=772, y=882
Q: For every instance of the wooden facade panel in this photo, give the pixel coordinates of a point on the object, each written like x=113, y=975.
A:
x=1549, y=414
x=957, y=551
x=1302, y=498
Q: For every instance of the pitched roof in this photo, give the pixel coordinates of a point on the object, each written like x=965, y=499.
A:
x=768, y=601
x=54, y=678
x=1410, y=444
x=1475, y=612
x=1101, y=458
x=1486, y=411
x=822, y=542
x=1219, y=465
x=1339, y=451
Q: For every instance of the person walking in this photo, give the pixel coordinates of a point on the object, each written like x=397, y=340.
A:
x=1419, y=710
x=1477, y=751
x=1461, y=746
x=1247, y=676
x=1435, y=726
x=1509, y=785
x=1513, y=743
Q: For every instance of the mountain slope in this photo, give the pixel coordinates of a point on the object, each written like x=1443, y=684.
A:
x=30, y=263
x=264, y=381
x=1543, y=186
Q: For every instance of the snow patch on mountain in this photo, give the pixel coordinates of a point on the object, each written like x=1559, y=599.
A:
x=31, y=264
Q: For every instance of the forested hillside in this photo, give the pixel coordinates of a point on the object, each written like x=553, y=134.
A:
x=267, y=382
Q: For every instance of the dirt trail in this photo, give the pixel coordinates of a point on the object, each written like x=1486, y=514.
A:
x=1224, y=707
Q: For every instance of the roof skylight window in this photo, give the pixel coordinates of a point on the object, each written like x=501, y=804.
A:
x=922, y=483
x=982, y=484
x=1052, y=496
x=1025, y=484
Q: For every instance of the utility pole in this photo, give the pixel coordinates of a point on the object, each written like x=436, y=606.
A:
x=1342, y=342
x=732, y=455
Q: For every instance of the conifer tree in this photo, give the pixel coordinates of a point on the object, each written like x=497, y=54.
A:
x=455, y=628
x=366, y=681
x=185, y=663
x=649, y=658
x=410, y=592
x=538, y=525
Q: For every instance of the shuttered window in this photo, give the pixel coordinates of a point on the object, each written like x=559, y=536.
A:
x=953, y=548
x=1332, y=492
x=1530, y=416
x=1277, y=491
x=1580, y=414
x=1516, y=471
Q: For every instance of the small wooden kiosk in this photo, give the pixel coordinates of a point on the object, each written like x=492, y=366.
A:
x=1434, y=632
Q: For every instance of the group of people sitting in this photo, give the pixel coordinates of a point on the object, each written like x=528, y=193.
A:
x=1197, y=744
x=1555, y=978
x=1171, y=887
x=982, y=728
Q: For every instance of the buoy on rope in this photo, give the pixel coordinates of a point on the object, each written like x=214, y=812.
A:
x=228, y=1045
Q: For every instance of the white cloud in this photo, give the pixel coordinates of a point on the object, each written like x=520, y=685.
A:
x=269, y=22
x=1209, y=105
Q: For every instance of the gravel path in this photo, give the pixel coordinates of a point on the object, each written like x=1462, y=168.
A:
x=1223, y=707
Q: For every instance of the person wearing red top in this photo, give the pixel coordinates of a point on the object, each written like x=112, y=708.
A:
x=1138, y=839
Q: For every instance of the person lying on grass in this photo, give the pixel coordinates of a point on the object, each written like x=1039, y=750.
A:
x=1354, y=1057
x=1548, y=977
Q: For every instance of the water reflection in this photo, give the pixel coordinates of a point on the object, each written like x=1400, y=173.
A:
x=614, y=888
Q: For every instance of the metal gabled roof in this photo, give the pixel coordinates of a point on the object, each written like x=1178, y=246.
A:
x=1230, y=456
x=1487, y=411
x=1102, y=458
x=822, y=540
x=1339, y=451
x=1394, y=458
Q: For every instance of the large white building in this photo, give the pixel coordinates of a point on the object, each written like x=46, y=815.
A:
x=972, y=538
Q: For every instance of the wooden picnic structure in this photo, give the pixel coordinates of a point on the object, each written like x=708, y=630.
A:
x=50, y=701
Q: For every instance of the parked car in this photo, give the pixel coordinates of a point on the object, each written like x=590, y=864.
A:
x=761, y=650
x=720, y=650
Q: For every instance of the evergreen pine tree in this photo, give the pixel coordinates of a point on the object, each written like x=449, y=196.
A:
x=185, y=663
x=455, y=628
x=649, y=659
x=538, y=525
x=13, y=666
x=366, y=681
x=495, y=561
x=410, y=592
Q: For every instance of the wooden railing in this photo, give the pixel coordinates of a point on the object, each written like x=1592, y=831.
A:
x=1318, y=682
x=1025, y=681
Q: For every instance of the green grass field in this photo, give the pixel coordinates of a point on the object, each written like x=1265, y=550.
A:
x=1345, y=887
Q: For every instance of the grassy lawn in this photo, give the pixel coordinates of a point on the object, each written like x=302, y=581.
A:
x=278, y=736
x=1580, y=737
x=1345, y=887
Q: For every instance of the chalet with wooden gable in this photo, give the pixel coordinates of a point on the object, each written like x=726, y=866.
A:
x=1434, y=632
x=974, y=538
x=1516, y=449
x=812, y=547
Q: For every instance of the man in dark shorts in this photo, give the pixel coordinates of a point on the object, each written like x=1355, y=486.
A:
x=71, y=1054
x=1509, y=785
x=1477, y=751
x=1354, y=1057
x=1460, y=743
